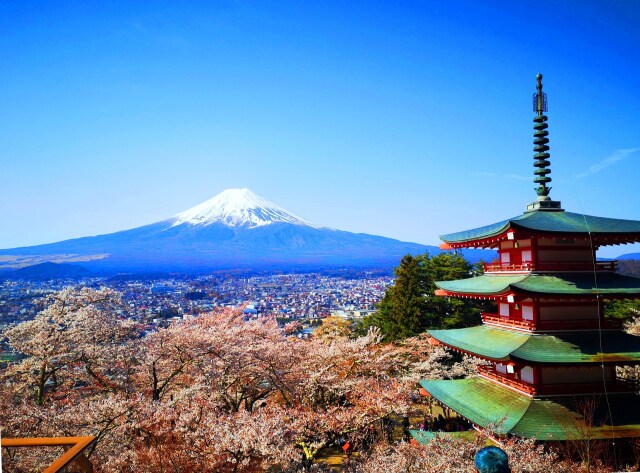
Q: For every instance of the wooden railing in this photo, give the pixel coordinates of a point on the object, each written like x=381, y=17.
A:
x=496, y=319
x=495, y=267
x=512, y=383
x=74, y=453
x=552, y=325
x=551, y=266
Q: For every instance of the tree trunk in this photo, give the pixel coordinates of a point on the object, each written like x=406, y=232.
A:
x=155, y=393
x=41, y=385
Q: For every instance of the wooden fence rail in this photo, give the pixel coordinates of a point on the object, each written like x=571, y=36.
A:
x=74, y=453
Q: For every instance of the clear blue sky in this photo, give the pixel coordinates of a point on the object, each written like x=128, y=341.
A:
x=406, y=119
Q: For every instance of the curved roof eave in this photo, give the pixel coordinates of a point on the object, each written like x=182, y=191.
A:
x=570, y=284
x=474, y=340
x=484, y=403
x=485, y=284
x=558, y=348
x=550, y=222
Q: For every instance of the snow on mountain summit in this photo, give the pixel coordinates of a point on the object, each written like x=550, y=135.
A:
x=236, y=208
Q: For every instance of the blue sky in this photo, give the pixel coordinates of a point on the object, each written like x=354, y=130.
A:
x=406, y=119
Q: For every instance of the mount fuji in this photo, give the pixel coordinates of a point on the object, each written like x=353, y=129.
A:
x=236, y=229
x=238, y=208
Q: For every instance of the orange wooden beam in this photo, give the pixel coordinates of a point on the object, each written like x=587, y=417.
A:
x=77, y=444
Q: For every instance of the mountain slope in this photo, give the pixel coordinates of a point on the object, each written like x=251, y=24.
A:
x=238, y=208
x=629, y=256
x=45, y=271
x=235, y=229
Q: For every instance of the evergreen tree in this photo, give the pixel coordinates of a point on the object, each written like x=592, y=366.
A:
x=402, y=311
x=399, y=313
x=449, y=312
x=409, y=306
x=622, y=309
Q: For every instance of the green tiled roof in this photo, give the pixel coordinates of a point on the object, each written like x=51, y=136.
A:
x=562, y=347
x=567, y=284
x=477, y=233
x=424, y=436
x=482, y=340
x=484, y=403
x=580, y=347
x=553, y=222
x=485, y=284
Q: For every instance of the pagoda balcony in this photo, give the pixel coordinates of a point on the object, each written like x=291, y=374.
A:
x=560, y=266
x=515, y=384
x=551, y=325
x=507, y=267
x=495, y=319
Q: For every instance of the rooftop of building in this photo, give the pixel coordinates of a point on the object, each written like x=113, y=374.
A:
x=574, y=347
x=561, y=284
x=485, y=403
x=553, y=223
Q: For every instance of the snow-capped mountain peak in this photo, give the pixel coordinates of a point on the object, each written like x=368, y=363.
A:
x=237, y=208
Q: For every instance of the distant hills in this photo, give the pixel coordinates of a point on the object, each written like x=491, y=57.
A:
x=237, y=229
x=48, y=270
x=628, y=256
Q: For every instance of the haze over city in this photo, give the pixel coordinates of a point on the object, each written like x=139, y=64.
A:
x=403, y=120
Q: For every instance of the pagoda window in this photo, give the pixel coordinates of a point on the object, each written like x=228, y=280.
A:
x=527, y=312
x=504, y=309
x=526, y=374
x=505, y=257
x=506, y=245
x=500, y=368
x=527, y=256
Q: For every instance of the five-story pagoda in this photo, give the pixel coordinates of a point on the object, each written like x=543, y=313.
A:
x=553, y=357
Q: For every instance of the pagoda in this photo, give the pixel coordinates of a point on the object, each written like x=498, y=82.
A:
x=553, y=360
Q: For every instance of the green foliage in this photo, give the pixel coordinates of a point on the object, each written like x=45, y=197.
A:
x=410, y=306
x=401, y=309
x=622, y=309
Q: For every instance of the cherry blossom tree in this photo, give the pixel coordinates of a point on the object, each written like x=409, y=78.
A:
x=72, y=341
x=445, y=454
x=66, y=384
x=218, y=393
x=343, y=387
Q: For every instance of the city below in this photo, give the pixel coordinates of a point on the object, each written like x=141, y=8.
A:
x=155, y=303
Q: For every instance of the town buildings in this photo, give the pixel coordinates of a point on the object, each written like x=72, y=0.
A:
x=157, y=302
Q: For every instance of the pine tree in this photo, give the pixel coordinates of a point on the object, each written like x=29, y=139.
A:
x=407, y=299
x=449, y=312
x=399, y=313
x=409, y=306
